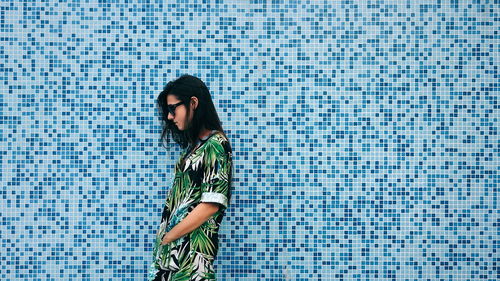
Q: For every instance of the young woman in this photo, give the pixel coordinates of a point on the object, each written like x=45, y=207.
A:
x=187, y=240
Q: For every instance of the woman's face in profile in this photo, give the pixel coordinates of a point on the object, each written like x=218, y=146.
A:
x=180, y=117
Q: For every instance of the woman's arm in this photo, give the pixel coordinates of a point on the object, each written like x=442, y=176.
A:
x=193, y=220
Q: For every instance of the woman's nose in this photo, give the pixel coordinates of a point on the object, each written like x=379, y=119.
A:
x=170, y=116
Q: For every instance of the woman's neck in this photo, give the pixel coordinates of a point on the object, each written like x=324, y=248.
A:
x=203, y=134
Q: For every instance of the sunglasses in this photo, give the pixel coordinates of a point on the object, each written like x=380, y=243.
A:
x=171, y=107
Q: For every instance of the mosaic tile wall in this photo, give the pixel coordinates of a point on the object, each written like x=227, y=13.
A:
x=365, y=136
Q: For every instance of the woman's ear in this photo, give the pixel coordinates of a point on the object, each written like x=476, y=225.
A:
x=194, y=102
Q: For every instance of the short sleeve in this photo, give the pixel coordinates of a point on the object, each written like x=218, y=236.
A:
x=217, y=166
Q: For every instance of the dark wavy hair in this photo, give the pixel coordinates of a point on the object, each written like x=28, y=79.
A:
x=205, y=115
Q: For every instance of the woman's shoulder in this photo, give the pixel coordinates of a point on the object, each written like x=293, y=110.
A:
x=220, y=142
x=219, y=137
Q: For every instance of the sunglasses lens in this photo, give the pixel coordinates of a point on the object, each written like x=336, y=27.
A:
x=171, y=108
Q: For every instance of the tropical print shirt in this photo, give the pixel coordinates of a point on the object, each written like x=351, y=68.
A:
x=201, y=175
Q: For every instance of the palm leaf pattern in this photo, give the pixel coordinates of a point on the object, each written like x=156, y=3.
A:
x=206, y=170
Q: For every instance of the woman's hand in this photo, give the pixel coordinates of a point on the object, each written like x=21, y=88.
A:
x=193, y=220
x=166, y=239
